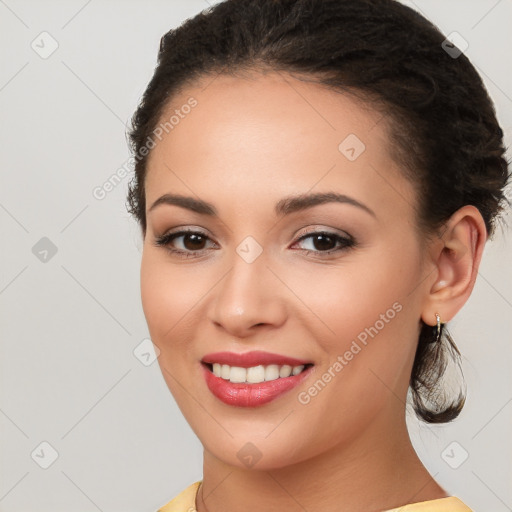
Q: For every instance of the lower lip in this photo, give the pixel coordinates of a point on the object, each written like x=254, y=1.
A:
x=251, y=395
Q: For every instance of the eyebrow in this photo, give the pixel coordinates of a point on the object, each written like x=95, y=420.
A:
x=285, y=206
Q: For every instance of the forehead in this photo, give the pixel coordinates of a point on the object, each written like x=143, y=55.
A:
x=267, y=110
x=266, y=132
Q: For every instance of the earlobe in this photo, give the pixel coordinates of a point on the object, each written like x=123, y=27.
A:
x=457, y=257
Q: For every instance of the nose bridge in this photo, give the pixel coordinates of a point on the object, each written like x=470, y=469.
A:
x=246, y=296
x=248, y=267
x=244, y=285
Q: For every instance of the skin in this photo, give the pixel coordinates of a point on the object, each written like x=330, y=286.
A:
x=248, y=143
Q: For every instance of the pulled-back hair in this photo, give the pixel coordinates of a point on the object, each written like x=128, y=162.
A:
x=442, y=124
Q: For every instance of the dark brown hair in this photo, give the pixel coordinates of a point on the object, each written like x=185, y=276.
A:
x=442, y=123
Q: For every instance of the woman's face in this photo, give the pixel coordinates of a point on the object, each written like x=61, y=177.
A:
x=253, y=276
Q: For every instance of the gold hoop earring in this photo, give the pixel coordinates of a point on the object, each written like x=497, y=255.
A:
x=438, y=328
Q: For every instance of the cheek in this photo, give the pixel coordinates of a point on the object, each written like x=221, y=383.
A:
x=367, y=320
x=167, y=294
x=167, y=301
x=347, y=300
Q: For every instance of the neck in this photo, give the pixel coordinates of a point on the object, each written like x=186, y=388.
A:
x=378, y=470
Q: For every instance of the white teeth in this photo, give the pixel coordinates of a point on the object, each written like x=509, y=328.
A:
x=224, y=371
x=285, y=371
x=297, y=369
x=255, y=374
x=237, y=374
x=272, y=372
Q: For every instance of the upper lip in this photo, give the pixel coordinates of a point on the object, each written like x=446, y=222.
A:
x=253, y=358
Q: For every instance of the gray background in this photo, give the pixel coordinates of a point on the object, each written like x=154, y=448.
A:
x=70, y=324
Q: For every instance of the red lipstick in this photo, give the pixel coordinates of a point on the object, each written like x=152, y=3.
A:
x=249, y=394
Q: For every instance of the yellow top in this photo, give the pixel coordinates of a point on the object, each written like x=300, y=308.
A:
x=186, y=502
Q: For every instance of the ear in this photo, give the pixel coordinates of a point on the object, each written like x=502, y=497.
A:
x=456, y=256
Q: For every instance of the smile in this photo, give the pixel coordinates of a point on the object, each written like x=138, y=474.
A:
x=253, y=378
x=255, y=374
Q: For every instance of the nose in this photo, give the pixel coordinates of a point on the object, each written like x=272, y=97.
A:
x=249, y=298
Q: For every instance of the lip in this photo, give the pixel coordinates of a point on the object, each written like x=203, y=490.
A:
x=253, y=358
x=251, y=395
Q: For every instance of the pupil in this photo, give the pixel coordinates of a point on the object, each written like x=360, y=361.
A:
x=322, y=244
x=195, y=239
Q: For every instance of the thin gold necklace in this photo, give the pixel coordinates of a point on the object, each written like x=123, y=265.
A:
x=202, y=498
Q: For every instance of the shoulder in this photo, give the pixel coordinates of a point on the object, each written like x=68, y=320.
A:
x=449, y=504
x=184, y=502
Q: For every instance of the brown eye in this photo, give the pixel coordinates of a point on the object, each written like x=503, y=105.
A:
x=186, y=243
x=323, y=242
x=326, y=243
x=193, y=241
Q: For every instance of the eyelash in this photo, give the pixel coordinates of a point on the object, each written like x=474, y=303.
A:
x=165, y=240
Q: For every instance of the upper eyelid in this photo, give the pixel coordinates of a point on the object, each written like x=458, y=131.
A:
x=310, y=231
x=180, y=232
x=328, y=231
